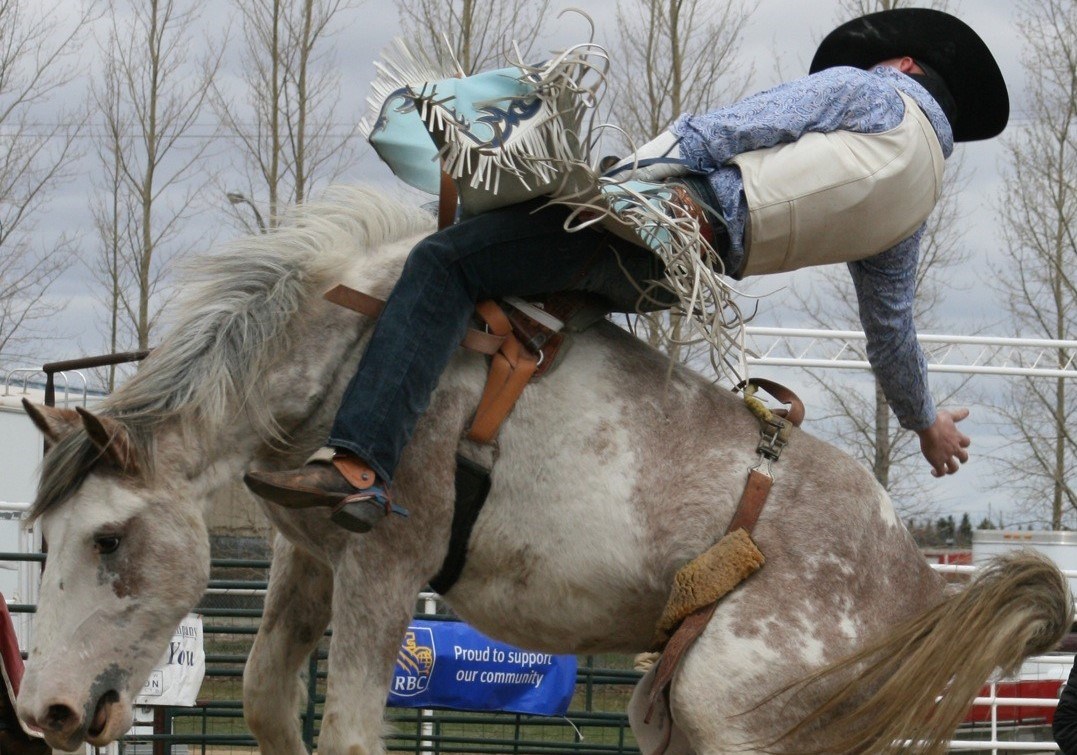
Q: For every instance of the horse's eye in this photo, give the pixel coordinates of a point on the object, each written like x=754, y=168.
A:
x=105, y=544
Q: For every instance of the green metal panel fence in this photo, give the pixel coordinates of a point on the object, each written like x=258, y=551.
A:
x=595, y=723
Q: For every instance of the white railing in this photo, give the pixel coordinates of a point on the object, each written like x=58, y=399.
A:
x=29, y=573
x=65, y=392
x=966, y=355
x=995, y=702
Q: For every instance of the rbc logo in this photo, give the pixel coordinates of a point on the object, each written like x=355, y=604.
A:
x=414, y=662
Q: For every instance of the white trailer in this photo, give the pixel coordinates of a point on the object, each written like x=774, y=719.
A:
x=1060, y=547
x=20, y=457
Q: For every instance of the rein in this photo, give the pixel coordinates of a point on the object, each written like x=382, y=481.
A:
x=365, y=304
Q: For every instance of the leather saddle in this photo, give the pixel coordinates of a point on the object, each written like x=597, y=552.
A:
x=522, y=339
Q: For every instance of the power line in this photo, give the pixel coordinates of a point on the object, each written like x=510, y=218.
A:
x=342, y=136
x=205, y=131
x=56, y=133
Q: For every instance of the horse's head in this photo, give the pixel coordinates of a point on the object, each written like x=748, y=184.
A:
x=252, y=356
x=128, y=558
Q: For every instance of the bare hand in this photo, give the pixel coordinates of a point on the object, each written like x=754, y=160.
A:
x=943, y=445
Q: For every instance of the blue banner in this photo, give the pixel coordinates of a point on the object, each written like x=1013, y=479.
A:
x=447, y=664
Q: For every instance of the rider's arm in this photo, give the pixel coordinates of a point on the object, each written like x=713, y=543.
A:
x=885, y=289
x=832, y=100
x=839, y=98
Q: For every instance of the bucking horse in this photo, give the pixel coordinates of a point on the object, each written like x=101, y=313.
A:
x=612, y=472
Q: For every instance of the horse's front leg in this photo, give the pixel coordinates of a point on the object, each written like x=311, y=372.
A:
x=373, y=600
x=297, y=609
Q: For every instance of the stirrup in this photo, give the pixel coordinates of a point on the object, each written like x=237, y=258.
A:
x=361, y=511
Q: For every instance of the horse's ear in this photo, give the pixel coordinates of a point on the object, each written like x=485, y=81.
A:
x=54, y=423
x=111, y=439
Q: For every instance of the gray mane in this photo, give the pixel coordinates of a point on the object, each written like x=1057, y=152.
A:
x=231, y=322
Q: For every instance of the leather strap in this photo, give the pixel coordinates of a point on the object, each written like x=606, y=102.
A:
x=751, y=502
x=356, y=301
x=795, y=412
x=472, y=484
x=447, y=199
x=365, y=304
x=688, y=204
x=355, y=470
x=484, y=343
x=745, y=517
x=510, y=371
x=511, y=368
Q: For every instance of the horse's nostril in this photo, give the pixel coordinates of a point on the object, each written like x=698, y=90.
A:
x=59, y=718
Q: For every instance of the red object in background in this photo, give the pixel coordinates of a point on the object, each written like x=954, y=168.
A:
x=959, y=558
x=10, y=658
x=14, y=738
x=1049, y=690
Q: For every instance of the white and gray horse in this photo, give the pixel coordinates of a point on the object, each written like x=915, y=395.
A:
x=609, y=475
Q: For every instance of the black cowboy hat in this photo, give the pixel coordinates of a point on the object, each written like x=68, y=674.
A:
x=943, y=42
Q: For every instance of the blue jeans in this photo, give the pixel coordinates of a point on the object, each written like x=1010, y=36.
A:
x=521, y=250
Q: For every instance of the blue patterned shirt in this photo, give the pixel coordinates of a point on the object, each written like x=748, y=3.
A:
x=847, y=99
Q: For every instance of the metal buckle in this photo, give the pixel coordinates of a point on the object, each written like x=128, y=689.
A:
x=771, y=441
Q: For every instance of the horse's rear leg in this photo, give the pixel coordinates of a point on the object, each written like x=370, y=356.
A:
x=718, y=693
x=297, y=609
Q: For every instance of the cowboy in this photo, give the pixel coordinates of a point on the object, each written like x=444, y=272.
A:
x=842, y=165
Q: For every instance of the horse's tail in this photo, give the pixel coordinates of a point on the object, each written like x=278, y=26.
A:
x=889, y=695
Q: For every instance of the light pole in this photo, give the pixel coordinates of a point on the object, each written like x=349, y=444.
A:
x=234, y=197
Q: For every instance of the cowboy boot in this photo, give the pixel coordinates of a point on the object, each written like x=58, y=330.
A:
x=335, y=479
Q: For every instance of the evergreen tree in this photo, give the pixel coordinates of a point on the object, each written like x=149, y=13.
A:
x=964, y=531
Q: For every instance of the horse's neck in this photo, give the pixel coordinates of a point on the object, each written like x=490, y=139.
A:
x=206, y=469
x=303, y=388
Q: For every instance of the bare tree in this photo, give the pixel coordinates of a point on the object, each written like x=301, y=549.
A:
x=679, y=56
x=150, y=98
x=1039, y=209
x=36, y=48
x=288, y=128
x=113, y=213
x=476, y=34
x=863, y=423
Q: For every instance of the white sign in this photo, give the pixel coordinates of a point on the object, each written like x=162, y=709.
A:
x=178, y=676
